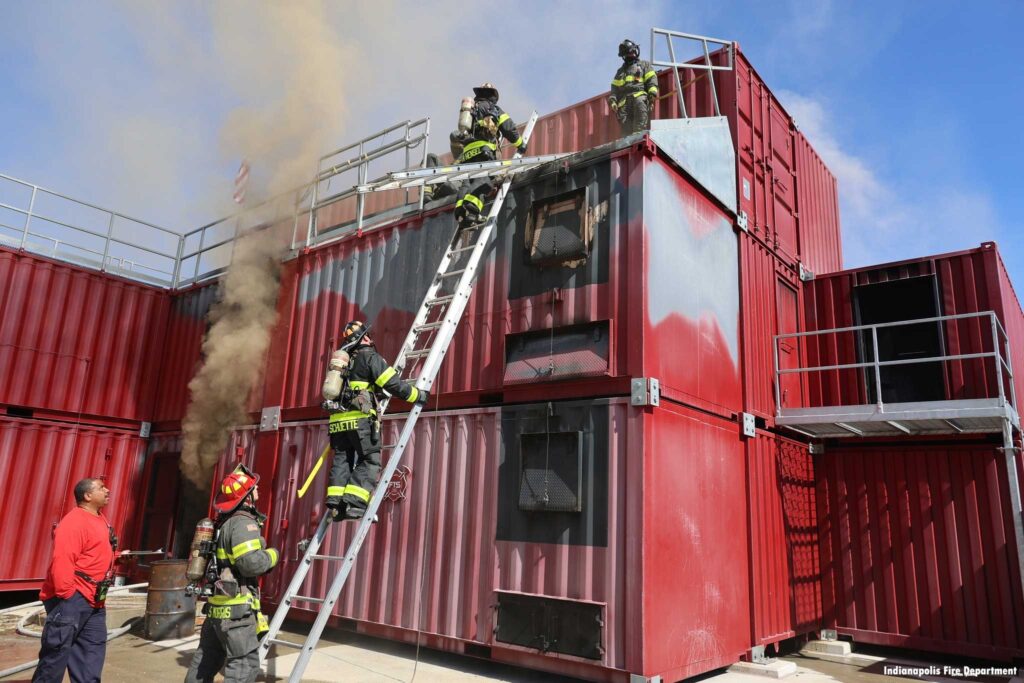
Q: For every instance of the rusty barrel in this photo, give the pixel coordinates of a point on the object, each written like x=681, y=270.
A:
x=170, y=611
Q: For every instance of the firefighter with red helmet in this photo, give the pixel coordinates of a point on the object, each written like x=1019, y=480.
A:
x=354, y=425
x=634, y=88
x=488, y=122
x=230, y=635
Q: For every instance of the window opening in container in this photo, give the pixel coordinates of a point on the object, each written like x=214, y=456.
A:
x=559, y=229
x=551, y=471
x=904, y=299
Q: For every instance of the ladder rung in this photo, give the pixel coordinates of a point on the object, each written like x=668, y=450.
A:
x=332, y=557
x=418, y=353
x=453, y=273
x=462, y=249
x=306, y=598
x=440, y=300
x=428, y=326
x=287, y=643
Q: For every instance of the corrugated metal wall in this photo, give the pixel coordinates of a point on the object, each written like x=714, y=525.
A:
x=41, y=462
x=968, y=282
x=918, y=547
x=77, y=342
x=817, y=201
x=186, y=327
x=785, y=573
x=1013, y=321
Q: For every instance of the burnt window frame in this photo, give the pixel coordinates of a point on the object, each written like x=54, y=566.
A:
x=535, y=227
x=517, y=341
x=577, y=492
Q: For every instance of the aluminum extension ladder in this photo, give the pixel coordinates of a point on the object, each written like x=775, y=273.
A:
x=434, y=325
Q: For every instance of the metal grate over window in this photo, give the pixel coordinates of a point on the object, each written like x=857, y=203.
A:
x=559, y=229
x=550, y=624
x=551, y=471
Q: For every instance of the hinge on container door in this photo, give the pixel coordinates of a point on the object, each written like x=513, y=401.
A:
x=816, y=448
x=749, y=425
x=270, y=419
x=741, y=221
x=144, y=429
x=644, y=391
x=805, y=274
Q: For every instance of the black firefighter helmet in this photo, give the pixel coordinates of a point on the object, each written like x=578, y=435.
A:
x=487, y=91
x=629, y=50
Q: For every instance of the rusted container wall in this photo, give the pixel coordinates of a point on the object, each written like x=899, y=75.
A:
x=41, y=462
x=77, y=342
x=817, y=203
x=769, y=301
x=785, y=578
x=695, y=558
x=182, y=355
x=918, y=549
x=451, y=536
x=967, y=282
x=693, y=295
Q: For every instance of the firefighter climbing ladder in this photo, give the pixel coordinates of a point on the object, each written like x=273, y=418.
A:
x=421, y=355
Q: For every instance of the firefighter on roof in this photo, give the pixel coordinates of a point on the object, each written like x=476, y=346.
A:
x=634, y=88
x=354, y=426
x=229, y=638
x=487, y=121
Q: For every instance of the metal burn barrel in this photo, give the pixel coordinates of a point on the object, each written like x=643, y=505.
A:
x=170, y=611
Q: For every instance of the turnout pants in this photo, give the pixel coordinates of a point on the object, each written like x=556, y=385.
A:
x=635, y=115
x=469, y=207
x=356, y=464
x=75, y=639
x=227, y=643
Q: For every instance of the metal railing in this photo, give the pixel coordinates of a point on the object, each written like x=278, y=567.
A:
x=674, y=64
x=56, y=225
x=1000, y=354
x=209, y=249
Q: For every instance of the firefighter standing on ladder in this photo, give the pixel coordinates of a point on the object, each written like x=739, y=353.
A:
x=634, y=88
x=354, y=426
x=488, y=121
x=230, y=635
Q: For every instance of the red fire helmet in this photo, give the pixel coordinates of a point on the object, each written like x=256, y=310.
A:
x=233, y=490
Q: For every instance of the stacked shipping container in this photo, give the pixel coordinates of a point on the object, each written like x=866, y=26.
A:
x=650, y=277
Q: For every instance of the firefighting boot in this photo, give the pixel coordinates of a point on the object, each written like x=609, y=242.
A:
x=355, y=514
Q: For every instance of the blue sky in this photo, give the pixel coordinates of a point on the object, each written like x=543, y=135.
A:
x=146, y=108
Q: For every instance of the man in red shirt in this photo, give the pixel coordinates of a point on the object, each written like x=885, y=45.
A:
x=75, y=634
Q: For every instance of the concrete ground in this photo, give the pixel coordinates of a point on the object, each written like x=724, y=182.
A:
x=350, y=657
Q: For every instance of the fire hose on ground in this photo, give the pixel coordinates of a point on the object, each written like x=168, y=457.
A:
x=24, y=630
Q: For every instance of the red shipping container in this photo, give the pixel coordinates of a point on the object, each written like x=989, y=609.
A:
x=466, y=552
x=76, y=342
x=918, y=547
x=42, y=462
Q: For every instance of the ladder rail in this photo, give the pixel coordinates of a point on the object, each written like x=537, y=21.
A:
x=428, y=372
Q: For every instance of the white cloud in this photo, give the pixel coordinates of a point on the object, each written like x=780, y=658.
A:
x=883, y=218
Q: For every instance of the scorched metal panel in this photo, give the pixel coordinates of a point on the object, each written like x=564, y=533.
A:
x=187, y=324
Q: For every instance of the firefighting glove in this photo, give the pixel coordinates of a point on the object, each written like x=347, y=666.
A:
x=522, y=149
x=330, y=406
x=422, y=397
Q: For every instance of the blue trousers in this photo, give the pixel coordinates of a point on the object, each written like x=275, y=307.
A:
x=74, y=639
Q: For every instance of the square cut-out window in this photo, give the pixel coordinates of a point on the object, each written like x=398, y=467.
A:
x=551, y=471
x=559, y=229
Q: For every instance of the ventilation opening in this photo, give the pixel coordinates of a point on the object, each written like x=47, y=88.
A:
x=550, y=624
x=557, y=353
x=475, y=650
x=906, y=299
x=559, y=229
x=551, y=472
x=15, y=411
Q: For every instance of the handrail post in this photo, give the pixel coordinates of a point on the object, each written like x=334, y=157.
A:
x=177, y=262
x=675, y=72
x=778, y=378
x=28, y=217
x=106, y=243
x=360, y=197
x=878, y=369
x=996, y=356
x=199, y=255
x=711, y=77
x=1009, y=368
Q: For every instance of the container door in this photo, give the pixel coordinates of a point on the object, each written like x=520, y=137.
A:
x=790, y=385
x=783, y=185
x=161, y=504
